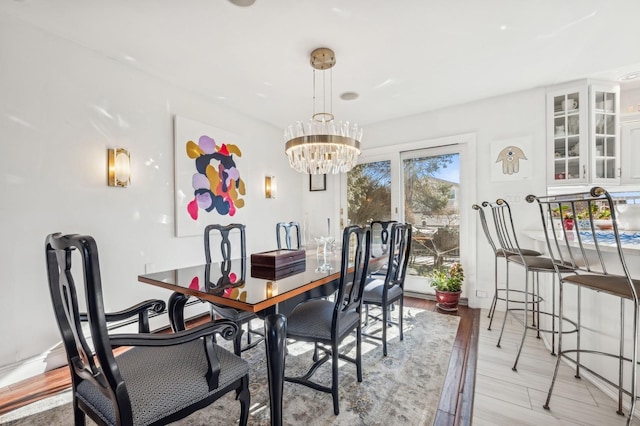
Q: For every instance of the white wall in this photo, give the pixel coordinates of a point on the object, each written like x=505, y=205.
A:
x=515, y=115
x=61, y=107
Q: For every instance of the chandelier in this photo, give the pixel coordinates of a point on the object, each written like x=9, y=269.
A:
x=320, y=145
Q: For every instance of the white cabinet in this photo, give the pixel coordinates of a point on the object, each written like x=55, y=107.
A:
x=630, y=150
x=582, y=134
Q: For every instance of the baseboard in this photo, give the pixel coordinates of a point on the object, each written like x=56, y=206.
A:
x=463, y=300
x=30, y=367
x=56, y=356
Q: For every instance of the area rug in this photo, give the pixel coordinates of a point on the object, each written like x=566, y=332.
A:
x=402, y=388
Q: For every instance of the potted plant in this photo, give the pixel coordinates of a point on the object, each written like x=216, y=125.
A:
x=568, y=221
x=447, y=282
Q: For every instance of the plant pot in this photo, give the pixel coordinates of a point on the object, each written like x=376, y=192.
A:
x=447, y=300
x=568, y=224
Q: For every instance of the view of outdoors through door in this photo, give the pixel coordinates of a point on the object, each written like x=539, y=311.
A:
x=430, y=187
x=369, y=192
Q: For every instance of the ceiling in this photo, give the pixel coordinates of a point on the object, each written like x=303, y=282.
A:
x=402, y=57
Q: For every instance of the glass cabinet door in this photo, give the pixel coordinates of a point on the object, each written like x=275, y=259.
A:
x=583, y=134
x=605, y=153
x=568, y=135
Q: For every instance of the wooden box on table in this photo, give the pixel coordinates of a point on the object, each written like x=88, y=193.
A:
x=276, y=264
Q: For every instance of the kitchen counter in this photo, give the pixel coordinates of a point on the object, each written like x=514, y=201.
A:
x=630, y=240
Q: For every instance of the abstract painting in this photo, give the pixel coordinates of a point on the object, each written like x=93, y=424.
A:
x=209, y=185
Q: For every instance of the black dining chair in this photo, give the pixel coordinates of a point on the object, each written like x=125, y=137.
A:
x=160, y=378
x=500, y=293
x=288, y=228
x=602, y=271
x=385, y=292
x=239, y=316
x=327, y=323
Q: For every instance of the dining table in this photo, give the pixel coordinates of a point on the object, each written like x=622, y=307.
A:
x=238, y=284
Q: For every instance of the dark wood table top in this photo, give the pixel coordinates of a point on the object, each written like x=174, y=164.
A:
x=232, y=283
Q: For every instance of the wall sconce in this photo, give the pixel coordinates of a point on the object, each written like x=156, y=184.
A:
x=270, y=187
x=119, y=168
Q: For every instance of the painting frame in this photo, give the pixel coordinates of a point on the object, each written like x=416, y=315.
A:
x=511, y=159
x=207, y=163
x=317, y=182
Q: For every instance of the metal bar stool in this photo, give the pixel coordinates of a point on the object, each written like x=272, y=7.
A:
x=600, y=266
x=499, y=254
x=532, y=265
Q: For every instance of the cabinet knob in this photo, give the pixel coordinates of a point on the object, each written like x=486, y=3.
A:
x=584, y=172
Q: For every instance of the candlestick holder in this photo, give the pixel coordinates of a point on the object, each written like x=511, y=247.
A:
x=323, y=252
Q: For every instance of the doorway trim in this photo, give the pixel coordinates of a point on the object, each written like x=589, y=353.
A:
x=468, y=193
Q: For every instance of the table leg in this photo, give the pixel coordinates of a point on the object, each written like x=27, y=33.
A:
x=275, y=333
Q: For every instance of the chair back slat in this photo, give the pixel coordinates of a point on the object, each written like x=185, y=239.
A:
x=504, y=226
x=225, y=242
x=400, y=247
x=65, y=299
x=380, y=233
x=288, y=228
x=585, y=247
x=226, y=276
x=485, y=227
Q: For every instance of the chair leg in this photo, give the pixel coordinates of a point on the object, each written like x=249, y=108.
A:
x=553, y=315
x=506, y=312
x=243, y=395
x=578, y=338
x=334, y=377
x=536, y=303
x=559, y=357
x=492, y=308
x=79, y=417
x=620, y=360
x=400, y=309
x=385, y=315
x=526, y=312
x=634, y=364
x=494, y=302
x=366, y=314
x=359, y=353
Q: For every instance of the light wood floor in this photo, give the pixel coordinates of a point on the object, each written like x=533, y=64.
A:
x=506, y=397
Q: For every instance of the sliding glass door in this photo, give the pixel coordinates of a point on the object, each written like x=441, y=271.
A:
x=418, y=186
x=430, y=188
